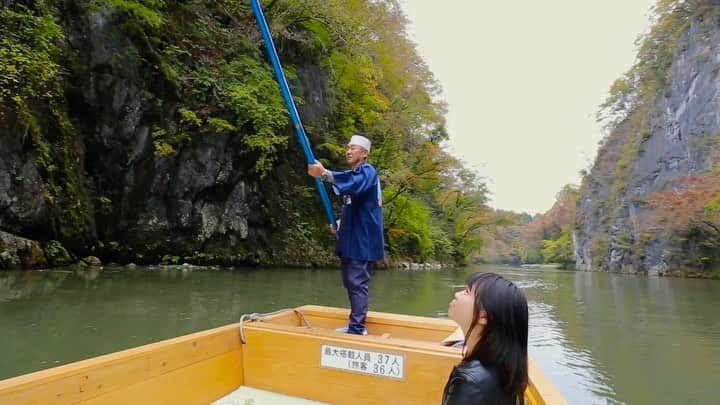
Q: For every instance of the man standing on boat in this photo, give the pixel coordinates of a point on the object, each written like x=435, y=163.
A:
x=360, y=229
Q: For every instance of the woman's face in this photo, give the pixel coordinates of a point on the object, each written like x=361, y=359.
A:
x=461, y=308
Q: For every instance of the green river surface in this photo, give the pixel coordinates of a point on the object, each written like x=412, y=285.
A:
x=601, y=338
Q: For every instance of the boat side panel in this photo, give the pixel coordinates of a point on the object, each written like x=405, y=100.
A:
x=400, y=332
x=87, y=379
x=199, y=383
x=540, y=391
x=289, y=363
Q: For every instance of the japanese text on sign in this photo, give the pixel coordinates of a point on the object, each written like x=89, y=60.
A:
x=363, y=361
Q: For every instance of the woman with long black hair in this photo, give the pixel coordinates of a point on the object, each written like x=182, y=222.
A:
x=493, y=315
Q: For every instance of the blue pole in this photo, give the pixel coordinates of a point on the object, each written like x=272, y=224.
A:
x=294, y=116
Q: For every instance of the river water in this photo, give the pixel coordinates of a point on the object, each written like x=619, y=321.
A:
x=602, y=338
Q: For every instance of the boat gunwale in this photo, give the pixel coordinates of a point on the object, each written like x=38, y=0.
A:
x=375, y=341
x=226, y=339
x=76, y=368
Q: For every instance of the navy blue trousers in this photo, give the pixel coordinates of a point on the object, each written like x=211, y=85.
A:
x=356, y=278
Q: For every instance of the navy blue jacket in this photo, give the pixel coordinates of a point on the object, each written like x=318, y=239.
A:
x=360, y=236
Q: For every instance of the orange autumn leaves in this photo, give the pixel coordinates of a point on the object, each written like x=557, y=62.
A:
x=690, y=203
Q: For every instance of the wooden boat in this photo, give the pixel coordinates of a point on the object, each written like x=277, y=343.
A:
x=295, y=352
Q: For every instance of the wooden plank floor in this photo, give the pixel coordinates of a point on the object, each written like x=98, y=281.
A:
x=253, y=396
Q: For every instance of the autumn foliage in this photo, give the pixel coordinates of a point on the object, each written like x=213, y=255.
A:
x=689, y=208
x=546, y=238
x=548, y=226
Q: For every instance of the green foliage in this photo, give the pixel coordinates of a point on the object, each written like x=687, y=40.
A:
x=146, y=12
x=599, y=249
x=163, y=143
x=105, y=205
x=559, y=250
x=545, y=238
x=443, y=245
x=189, y=118
x=170, y=259
x=163, y=148
x=531, y=255
x=246, y=88
x=624, y=240
x=206, y=72
x=434, y=207
x=409, y=229
x=219, y=124
x=651, y=74
x=65, y=188
x=439, y=134
x=713, y=206
x=29, y=73
x=31, y=89
x=56, y=254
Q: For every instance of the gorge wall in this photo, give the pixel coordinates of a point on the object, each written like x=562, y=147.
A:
x=153, y=131
x=666, y=145
x=83, y=174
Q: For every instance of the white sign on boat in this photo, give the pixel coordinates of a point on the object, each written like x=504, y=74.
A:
x=363, y=361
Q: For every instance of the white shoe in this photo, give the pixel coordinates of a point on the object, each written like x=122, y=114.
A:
x=344, y=329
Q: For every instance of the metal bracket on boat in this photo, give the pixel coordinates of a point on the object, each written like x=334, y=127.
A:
x=258, y=317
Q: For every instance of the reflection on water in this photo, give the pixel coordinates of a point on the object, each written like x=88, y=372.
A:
x=15, y=286
x=626, y=339
x=603, y=339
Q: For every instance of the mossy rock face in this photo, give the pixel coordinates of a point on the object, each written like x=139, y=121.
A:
x=170, y=259
x=157, y=129
x=8, y=260
x=56, y=254
x=91, y=261
x=20, y=252
x=34, y=257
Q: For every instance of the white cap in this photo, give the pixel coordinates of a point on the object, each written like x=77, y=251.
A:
x=360, y=140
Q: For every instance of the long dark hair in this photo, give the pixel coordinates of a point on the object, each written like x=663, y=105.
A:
x=503, y=340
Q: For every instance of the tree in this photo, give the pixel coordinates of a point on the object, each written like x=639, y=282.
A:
x=689, y=208
x=549, y=226
x=559, y=250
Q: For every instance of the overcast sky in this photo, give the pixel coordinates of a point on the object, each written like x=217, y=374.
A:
x=523, y=80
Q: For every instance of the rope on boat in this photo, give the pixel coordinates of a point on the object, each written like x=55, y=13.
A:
x=258, y=317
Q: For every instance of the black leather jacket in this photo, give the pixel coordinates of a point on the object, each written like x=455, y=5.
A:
x=470, y=383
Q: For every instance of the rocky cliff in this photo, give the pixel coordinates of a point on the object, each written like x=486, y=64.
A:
x=664, y=142
x=83, y=170
x=154, y=131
